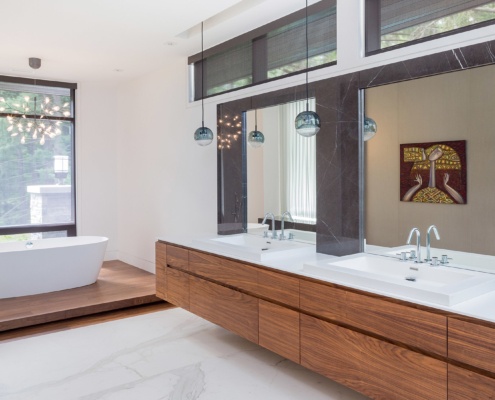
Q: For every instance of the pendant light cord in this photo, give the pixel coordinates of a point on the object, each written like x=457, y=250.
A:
x=256, y=120
x=307, y=59
x=203, y=79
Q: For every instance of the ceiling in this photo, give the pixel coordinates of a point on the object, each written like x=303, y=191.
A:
x=115, y=40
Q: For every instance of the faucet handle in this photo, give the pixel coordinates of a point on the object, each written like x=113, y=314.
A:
x=413, y=255
x=445, y=259
x=265, y=234
x=434, y=262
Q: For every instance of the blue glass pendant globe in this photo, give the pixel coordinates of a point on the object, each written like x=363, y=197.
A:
x=256, y=138
x=369, y=129
x=307, y=123
x=203, y=136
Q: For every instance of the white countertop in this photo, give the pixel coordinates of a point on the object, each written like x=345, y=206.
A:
x=480, y=307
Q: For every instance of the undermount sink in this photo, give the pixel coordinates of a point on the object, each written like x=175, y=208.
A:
x=439, y=285
x=256, y=247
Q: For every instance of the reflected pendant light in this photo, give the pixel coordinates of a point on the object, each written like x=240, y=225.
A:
x=307, y=122
x=370, y=128
x=203, y=135
x=256, y=138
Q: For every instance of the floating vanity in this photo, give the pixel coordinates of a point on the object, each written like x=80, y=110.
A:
x=384, y=346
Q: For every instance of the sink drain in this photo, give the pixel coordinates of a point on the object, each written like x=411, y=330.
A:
x=411, y=278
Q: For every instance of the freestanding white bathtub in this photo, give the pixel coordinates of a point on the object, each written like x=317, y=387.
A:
x=49, y=265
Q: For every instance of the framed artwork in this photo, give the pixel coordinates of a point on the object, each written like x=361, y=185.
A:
x=433, y=172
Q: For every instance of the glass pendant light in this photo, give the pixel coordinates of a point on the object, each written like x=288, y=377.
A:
x=307, y=122
x=370, y=128
x=256, y=138
x=203, y=135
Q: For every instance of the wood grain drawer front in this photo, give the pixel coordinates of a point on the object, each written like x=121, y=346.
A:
x=472, y=344
x=160, y=266
x=325, y=301
x=375, y=368
x=178, y=288
x=235, y=311
x=278, y=287
x=467, y=385
x=279, y=330
x=177, y=257
x=225, y=271
x=397, y=322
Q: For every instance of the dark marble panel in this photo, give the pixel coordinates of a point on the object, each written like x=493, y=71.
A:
x=339, y=148
x=230, y=186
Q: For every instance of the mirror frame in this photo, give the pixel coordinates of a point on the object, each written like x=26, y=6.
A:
x=339, y=147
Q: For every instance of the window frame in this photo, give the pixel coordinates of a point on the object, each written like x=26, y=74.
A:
x=372, y=32
x=70, y=228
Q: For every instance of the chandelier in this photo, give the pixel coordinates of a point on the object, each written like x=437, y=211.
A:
x=230, y=130
x=37, y=118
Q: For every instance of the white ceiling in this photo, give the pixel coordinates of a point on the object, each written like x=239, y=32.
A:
x=112, y=40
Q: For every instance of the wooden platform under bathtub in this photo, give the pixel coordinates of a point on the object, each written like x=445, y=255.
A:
x=119, y=285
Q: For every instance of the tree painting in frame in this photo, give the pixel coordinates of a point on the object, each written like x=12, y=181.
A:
x=433, y=172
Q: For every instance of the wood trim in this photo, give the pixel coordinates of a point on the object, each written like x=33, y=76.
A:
x=421, y=329
x=160, y=267
x=232, y=310
x=178, y=288
x=375, y=368
x=178, y=257
x=279, y=330
x=468, y=385
x=472, y=344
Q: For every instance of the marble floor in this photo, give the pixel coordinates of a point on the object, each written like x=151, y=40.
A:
x=169, y=354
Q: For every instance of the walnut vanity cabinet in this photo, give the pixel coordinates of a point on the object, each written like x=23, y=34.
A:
x=231, y=309
x=471, y=343
x=381, y=347
x=371, y=366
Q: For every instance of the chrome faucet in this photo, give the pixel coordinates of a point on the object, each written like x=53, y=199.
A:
x=428, y=241
x=418, y=243
x=270, y=215
x=285, y=214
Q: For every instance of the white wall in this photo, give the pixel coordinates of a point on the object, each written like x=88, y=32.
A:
x=167, y=183
x=97, y=131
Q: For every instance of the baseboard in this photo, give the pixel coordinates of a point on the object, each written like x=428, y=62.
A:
x=136, y=262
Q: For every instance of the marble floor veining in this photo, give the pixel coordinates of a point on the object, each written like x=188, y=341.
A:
x=167, y=355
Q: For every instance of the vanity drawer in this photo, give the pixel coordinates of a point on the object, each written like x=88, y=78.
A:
x=160, y=266
x=472, y=343
x=323, y=300
x=178, y=288
x=177, y=257
x=468, y=385
x=233, y=310
x=408, y=325
x=279, y=330
x=373, y=367
x=278, y=287
x=224, y=271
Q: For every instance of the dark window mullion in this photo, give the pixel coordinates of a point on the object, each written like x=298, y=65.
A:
x=372, y=25
x=260, y=59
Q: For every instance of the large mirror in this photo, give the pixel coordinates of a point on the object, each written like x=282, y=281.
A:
x=281, y=171
x=415, y=169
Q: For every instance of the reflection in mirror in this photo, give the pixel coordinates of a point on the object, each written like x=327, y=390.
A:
x=451, y=107
x=281, y=174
